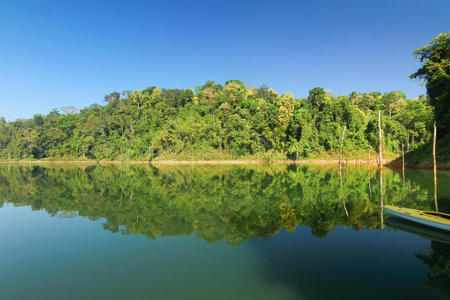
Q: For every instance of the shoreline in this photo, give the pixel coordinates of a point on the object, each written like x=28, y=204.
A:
x=394, y=164
x=203, y=162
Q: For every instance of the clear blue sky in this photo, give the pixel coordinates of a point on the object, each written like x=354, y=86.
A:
x=60, y=53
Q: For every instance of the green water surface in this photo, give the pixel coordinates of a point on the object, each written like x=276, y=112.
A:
x=217, y=232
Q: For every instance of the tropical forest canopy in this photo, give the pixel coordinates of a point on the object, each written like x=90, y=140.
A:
x=229, y=119
x=218, y=121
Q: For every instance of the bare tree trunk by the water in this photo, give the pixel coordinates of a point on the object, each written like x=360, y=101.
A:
x=368, y=160
x=342, y=145
x=340, y=170
x=403, y=165
x=380, y=162
x=407, y=143
x=434, y=168
x=390, y=111
x=370, y=184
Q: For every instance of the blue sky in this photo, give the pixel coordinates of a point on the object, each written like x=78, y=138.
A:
x=61, y=53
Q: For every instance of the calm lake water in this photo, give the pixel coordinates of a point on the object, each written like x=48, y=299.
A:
x=217, y=232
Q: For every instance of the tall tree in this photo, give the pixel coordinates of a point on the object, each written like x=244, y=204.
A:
x=435, y=71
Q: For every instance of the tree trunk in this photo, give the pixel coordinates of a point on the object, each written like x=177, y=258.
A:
x=380, y=162
x=407, y=143
x=342, y=144
x=403, y=165
x=434, y=168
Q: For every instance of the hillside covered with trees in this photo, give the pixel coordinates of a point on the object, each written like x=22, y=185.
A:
x=216, y=120
x=233, y=120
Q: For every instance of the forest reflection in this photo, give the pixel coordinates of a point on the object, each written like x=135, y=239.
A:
x=231, y=203
x=215, y=202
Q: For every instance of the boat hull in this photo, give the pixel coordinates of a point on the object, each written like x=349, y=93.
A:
x=414, y=219
x=431, y=233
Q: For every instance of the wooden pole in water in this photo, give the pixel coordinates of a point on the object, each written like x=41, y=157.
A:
x=340, y=170
x=342, y=145
x=403, y=165
x=434, y=168
x=380, y=162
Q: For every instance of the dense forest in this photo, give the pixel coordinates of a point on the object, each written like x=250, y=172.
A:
x=230, y=119
x=234, y=120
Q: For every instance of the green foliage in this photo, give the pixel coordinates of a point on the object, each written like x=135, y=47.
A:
x=215, y=121
x=435, y=71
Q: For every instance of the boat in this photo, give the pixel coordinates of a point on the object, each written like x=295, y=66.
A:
x=429, y=218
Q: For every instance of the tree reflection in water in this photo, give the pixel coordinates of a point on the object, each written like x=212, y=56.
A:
x=438, y=260
x=212, y=202
x=226, y=202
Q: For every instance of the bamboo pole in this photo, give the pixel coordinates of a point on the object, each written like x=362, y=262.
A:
x=434, y=168
x=342, y=145
x=380, y=162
